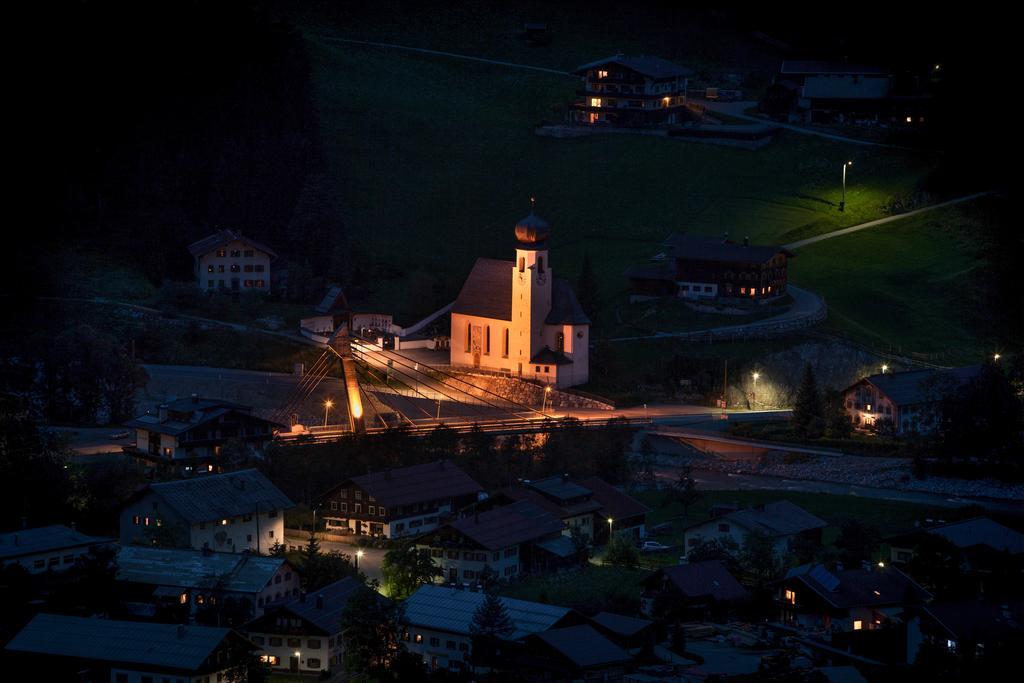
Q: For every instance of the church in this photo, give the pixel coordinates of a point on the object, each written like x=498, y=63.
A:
x=515, y=317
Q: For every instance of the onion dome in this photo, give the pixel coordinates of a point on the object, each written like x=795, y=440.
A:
x=532, y=230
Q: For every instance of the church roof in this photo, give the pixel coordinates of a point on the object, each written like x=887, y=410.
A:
x=565, y=307
x=487, y=292
x=548, y=357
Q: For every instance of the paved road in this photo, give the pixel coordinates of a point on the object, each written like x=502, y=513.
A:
x=882, y=221
x=737, y=109
x=369, y=562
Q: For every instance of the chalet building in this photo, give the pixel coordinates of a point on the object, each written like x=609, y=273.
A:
x=630, y=633
x=193, y=430
x=846, y=600
x=47, y=548
x=783, y=520
x=303, y=634
x=401, y=502
x=234, y=512
x=438, y=621
x=904, y=402
x=194, y=579
x=516, y=318
x=693, y=591
x=631, y=91
x=970, y=630
x=586, y=505
x=573, y=653
x=56, y=647
x=702, y=268
x=227, y=260
x=510, y=541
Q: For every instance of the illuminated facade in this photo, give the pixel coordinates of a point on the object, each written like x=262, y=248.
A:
x=631, y=91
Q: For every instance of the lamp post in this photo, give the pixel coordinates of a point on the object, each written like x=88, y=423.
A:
x=610, y=522
x=842, y=204
x=885, y=368
x=996, y=356
x=753, y=398
x=547, y=393
x=359, y=553
x=328, y=404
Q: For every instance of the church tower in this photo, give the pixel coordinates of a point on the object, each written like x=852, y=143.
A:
x=531, y=290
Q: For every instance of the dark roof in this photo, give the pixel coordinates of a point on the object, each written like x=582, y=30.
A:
x=513, y=524
x=334, y=300
x=583, y=646
x=183, y=648
x=559, y=487
x=871, y=587
x=552, y=503
x=977, y=620
x=186, y=568
x=920, y=386
x=222, y=237
x=655, y=67
x=548, y=357
x=44, y=539
x=430, y=481
x=335, y=598
x=822, y=67
x=694, y=248
x=981, y=531
x=620, y=624
x=199, y=411
x=221, y=496
x=660, y=271
x=488, y=290
x=451, y=610
x=565, y=307
x=614, y=503
x=709, y=578
x=780, y=518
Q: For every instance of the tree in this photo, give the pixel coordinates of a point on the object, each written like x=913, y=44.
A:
x=857, y=542
x=586, y=290
x=683, y=490
x=580, y=543
x=983, y=418
x=371, y=628
x=723, y=549
x=490, y=624
x=320, y=569
x=837, y=420
x=407, y=568
x=808, y=418
x=758, y=556
x=621, y=551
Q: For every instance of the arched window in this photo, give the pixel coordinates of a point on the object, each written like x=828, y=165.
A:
x=504, y=346
x=540, y=264
x=560, y=342
x=469, y=336
x=487, y=340
x=522, y=264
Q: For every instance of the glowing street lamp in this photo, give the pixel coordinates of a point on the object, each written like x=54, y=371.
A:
x=996, y=356
x=753, y=397
x=885, y=368
x=842, y=204
x=547, y=394
x=610, y=522
x=359, y=553
x=328, y=404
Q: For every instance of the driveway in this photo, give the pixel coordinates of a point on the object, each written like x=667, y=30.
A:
x=369, y=563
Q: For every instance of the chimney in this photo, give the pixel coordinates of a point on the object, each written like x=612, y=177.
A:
x=320, y=601
x=746, y=241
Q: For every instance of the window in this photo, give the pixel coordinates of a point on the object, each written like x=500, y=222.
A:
x=382, y=512
x=540, y=265
x=790, y=597
x=487, y=340
x=135, y=520
x=359, y=508
x=419, y=637
x=270, y=660
x=560, y=342
x=313, y=644
x=522, y=264
x=602, y=74
x=450, y=644
x=294, y=642
x=235, y=268
x=372, y=509
x=275, y=642
x=39, y=564
x=595, y=101
x=334, y=506
x=312, y=663
x=247, y=268
x=235, y=253
x=858, y=624
x=221, y=253
x=259, y=267
x=68, y=559
x=344, y=507
x=260, y=284
x=435, y=641
x=504, y=346
x=249, y=253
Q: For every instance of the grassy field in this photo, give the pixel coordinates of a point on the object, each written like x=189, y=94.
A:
x=594, y=586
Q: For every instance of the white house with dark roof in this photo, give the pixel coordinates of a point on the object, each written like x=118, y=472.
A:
x=516, y=318
x=782, y=520
x=397, y=503
x=197, y=577
x=47, y=548
x=624, y=90
x=232, y=512
x=910, y=402
x=438, y=622
x=56, y=647
x=228, y=260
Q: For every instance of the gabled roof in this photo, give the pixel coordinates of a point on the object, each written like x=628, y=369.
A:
x=654, y=67
x=704, y=579
x=565, y=307
x=871, y=587
x=213, y=497
x=508, y=525
x=418, y=483
x=451, y=610
x=621, y=624
x=614, y=503
x=183, y=648
x=981, y=531
x=780, y=518
x=334, y=300
x=583, y=646
x=231, y=572
x=697, y=248
x=487, y=292
x=559, y=488
x=44, y=539
x=548, y=357
x=920, y=386
x=223, y=237
x=198, y=410
x=335, y=597
x=791, y=66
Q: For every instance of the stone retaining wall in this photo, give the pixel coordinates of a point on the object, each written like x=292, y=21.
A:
x=530, y=394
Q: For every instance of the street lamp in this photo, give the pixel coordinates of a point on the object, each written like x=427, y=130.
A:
x=547, y=393
x=996, y=356
x=359, y=553
x=842, y=204
x=328, y=404
x=885, y=368
x=610, y=521
x=754, y=395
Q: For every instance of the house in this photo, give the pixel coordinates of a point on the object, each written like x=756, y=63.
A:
x=233, y=512
x=303, y=634
x=782, y=520
x=968, y=629
x=991, y=554
x=194, y=430
x=401, y=502
x=629, y=633
x=439, y=619
x=66, y=648
x=47, y=548
x=174, y=578
x=845, y=600
x=696, y=590
x=709, y=269
x=905, y=402
x=517, y=318
x=586, y=505
x=509, y=540
x=227, y=260
x=573, y=653
x=630, y=92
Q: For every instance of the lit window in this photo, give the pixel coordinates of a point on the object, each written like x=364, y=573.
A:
x=602, y=74
x=857, y=624
x=791, y=597
x=595, y=101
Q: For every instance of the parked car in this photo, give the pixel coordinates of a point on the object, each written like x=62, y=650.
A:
x=653, y=547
